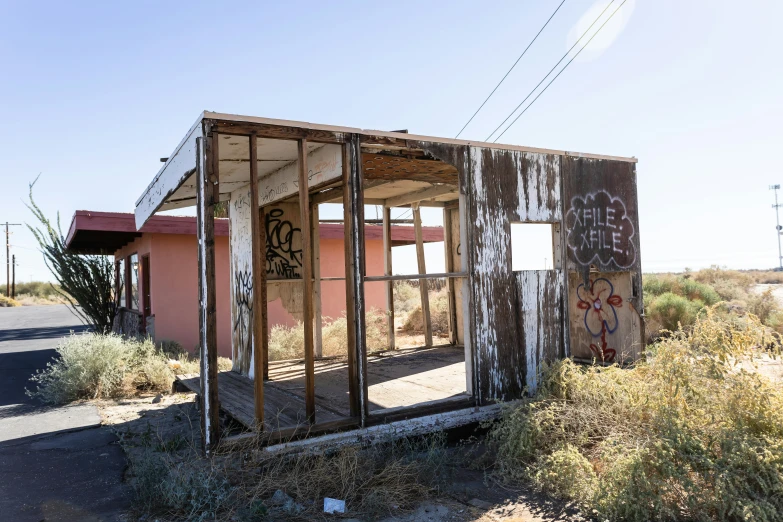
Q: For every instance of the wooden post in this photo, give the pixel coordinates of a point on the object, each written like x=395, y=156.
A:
x=423, y=287
x=387, y=270
x=353, y=207
x=264, y=315
x=315, y=236
x=307, y=276
x=259, y=285
x=206, y=267
x=448, y=244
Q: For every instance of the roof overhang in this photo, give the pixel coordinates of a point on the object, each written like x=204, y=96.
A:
x=174, y=185
x=106, y=232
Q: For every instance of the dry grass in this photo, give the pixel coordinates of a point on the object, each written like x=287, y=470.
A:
x=687, y=434
x=36, y=293
x=287, y=342
x=93, y=366
x=7, y=302
x=172, y=480
x=439, y=315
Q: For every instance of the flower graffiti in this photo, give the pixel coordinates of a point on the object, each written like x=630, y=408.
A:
x=600, y=305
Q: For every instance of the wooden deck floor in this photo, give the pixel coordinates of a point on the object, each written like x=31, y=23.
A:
x=236, y=395
x=396, y=380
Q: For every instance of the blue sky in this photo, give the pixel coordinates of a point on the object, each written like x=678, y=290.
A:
x=94, y=94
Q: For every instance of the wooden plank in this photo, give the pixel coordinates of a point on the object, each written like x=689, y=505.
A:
x=353, y=206
x=258, y=248
x=387, y=270
x=408, y=277
x=307, y=275
x=315, y=237
x=449, y=258
x=395, y=167
x=178, y=168
x=207, y=313
x=423, y=286
x=420, y=195
x=326, y=167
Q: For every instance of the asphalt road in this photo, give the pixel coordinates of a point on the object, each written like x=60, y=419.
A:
x=56, y=463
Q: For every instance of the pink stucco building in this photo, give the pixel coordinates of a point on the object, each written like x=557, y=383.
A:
x=156, y=272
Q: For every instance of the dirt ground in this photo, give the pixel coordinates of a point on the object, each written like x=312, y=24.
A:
x=170, y=423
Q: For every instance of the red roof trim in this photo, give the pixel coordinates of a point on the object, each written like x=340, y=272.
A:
x=126, y=223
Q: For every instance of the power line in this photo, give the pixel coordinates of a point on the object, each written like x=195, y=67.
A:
x=550, y=71
x=509, y=71
x=561, y=71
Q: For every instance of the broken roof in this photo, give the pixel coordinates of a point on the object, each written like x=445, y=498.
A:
x=387, y=154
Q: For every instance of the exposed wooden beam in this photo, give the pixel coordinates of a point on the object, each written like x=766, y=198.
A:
x=410, y=277
x=420, y=195
x=353, y=207
x=210, y=420
x=423, y=286
x=258, y=249
x=315, y=237
x=387, y=270
x=307, y=276
x=448, y=245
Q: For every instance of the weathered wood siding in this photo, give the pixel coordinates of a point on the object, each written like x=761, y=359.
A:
x=507, y=186
x=540, y=321
x=602, y=247
x=241, y=273
x=282, y=258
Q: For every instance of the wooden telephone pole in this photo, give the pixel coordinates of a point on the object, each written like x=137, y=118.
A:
x=8, y=257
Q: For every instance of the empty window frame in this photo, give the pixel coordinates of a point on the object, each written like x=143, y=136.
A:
x=533, y=246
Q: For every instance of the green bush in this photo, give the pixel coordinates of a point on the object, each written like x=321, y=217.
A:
x=93, y=365
x=671, y=310
x=40, y=289
x=692, y=432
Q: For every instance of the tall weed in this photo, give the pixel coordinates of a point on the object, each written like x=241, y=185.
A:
x=690, y=433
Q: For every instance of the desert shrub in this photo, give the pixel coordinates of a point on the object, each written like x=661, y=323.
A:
x=39, y=289
x=193, y=490
x=93, y=365
x=439, y=315
x=763, y=305
x=376, y=481
x=655, y=285
x=7, y=302
x=767, y=277
x=287, y=342
x=672, y=310
x=406, y=297
x=729, y=284
x=690, y=433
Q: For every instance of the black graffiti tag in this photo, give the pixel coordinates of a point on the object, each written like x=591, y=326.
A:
x=599, y=230
x=282, y=259
x=243, y=299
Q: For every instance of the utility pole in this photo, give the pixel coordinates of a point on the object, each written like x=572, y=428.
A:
x=8, y=257
x=776, y=206
x=13, y=277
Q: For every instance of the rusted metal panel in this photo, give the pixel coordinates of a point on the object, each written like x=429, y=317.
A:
x=540, y=326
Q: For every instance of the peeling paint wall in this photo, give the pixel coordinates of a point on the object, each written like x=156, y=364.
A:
x=241, y=273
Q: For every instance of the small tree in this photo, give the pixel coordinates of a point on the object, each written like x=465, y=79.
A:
x=86, y=280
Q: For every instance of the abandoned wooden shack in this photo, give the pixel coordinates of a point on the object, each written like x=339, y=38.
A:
x=503, y=323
